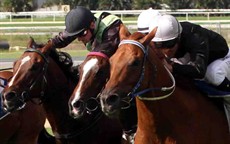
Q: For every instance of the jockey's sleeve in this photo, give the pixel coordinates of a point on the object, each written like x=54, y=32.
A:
x=193, y=69
x=61, y=41
x=110, y=35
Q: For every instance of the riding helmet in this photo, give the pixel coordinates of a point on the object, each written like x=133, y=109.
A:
x=144, y=19
x=77, y=20
x=168, y=28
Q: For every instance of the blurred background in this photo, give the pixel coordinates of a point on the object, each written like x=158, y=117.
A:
x=43, y=19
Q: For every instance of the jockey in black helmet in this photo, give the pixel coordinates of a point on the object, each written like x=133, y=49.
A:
x=88, y=28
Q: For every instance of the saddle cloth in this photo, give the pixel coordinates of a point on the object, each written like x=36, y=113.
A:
x=210, y=90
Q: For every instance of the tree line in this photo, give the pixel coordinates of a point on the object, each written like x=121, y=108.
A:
x=31, y=5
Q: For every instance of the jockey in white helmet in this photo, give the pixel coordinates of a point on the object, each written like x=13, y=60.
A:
x=195, y=45
x=145, y=18
x=195, y=52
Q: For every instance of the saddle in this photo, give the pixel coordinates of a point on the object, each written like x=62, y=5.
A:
x=210, y=90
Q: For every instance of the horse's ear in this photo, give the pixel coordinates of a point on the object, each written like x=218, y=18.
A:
x=47, y=47
x=147, y=39
x=124, y=32
x=31, y=42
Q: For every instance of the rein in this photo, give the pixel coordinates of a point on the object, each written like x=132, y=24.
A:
x=133, y=93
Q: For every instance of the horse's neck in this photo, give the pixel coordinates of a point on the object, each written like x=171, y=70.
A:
x=156, y=76
x=56, y=77
x=58, y=91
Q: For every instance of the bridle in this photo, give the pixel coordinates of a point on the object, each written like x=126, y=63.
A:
x=133, y=92
x=25, y=96
x=95, y=100
x=42, y=74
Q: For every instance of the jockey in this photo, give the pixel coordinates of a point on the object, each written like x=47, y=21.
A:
x=81, y=24
x=194, y=46
x=91, y=29
x=145, y=18
x=194, y=52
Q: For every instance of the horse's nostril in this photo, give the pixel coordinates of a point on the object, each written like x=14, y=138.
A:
x=10, y=95
x=77, y=104
x=112, y=99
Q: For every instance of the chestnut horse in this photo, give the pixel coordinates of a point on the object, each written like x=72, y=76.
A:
x=23, y=126
x=40, y=68
x=93, y=73
x=166, y=113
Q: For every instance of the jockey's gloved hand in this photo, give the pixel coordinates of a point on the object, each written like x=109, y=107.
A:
x=60, y=40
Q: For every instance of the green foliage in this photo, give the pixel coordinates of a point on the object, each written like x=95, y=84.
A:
x=26, y=5
x=16, y=5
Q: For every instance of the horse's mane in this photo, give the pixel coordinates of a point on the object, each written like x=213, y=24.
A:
x=63, y=59
x=106, y=47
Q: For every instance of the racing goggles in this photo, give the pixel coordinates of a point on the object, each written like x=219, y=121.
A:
x=83, y=33
x=166, y=44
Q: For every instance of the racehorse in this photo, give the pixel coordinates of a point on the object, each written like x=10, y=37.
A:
x=48, y=78
x=19, y=127
x=169, y=111
x=93, y=73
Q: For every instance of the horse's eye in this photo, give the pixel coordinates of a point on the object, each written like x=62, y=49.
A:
x=99, y=73
x=135, y=63
x=34, y=67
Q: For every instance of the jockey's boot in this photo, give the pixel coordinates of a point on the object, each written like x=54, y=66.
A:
x=227, y=109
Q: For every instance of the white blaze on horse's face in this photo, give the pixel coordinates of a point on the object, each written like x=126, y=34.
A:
x=91, y=64
x=23, y=61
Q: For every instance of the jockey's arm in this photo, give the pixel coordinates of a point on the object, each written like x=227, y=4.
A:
x=61, y=41
x=193, y=69
x=196, y=66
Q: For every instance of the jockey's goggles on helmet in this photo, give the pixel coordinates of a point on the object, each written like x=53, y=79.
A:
x=166, y=44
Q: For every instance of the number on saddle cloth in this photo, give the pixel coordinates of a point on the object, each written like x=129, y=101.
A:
x=3, y=83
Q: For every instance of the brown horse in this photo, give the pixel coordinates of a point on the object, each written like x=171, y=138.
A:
x=42, y=73
x=166, y=113
x=18, y=127
x=93, y=73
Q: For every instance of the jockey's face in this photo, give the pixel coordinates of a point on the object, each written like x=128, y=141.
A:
x=87, y=34
x=86, y=37
x=170, y=52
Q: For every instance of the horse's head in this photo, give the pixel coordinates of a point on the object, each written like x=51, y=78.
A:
x=28, y=76
x=93, y=73
x=126, y=69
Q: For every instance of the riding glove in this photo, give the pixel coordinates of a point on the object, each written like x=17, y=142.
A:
x=61, y=41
